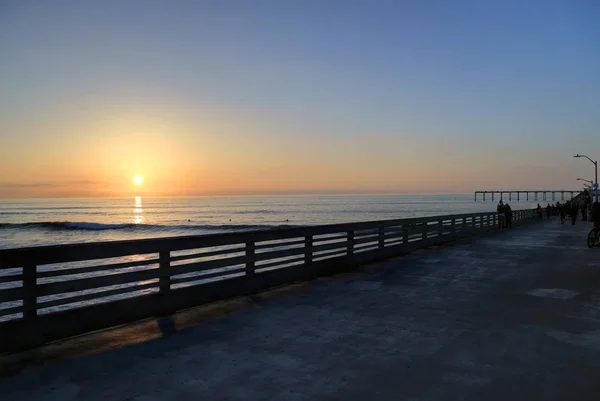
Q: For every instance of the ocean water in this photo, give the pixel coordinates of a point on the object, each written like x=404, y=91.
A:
x=35, y=222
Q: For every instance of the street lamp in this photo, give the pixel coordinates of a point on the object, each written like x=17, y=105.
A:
x=583, y=179
x=596, y=165
x=588, y=186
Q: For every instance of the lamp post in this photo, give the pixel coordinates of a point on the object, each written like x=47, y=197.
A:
x=595, y=163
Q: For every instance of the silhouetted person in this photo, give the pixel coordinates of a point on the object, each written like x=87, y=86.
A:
x=508, y=213
x=548, y=211
x=583, y=212
x=562, y=212
x=574, y=211
x=539, y=211
x=501, y=215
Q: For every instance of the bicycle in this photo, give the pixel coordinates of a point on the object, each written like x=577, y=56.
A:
x=593, y=238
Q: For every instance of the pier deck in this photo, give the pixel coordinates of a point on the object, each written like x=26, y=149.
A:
x=510, y=316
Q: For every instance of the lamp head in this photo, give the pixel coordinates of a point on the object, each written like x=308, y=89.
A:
x=577, y=155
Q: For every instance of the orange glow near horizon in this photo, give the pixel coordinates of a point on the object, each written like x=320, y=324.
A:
x=213, y=153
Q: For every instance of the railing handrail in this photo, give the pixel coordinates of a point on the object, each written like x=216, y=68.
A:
x=105, y=293
x=49, y=254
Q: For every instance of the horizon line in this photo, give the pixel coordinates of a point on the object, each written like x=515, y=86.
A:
x=237, y=195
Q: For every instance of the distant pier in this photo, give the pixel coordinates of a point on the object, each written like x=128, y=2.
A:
x=539, y=195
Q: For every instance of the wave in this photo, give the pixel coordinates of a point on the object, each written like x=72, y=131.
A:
x=88, y=226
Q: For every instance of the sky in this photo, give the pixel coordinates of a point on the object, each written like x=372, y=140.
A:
x=275, y=97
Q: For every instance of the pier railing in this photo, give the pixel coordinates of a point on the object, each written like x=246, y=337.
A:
x=53, y=292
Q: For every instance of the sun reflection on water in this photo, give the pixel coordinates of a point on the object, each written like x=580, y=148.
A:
x=138, y=211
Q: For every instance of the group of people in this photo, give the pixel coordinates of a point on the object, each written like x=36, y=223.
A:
x=587, y=209
x=571, y=209
x=504, y=215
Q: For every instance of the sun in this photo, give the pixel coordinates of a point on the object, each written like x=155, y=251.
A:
x=138, y=180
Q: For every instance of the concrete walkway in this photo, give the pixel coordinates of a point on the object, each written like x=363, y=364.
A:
x=511, y=316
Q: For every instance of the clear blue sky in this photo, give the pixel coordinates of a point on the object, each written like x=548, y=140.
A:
x=462, y=94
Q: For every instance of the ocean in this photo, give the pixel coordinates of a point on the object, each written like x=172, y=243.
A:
x=35, y=222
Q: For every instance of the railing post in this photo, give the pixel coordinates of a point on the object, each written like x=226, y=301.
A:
x=308, y=251
x=489, y=221
x=250, y=258
x=464, y=223
x=350, y=243
x=440, y=228
x=29, y=291
x=405, y=235
x=453, y=225
x=164, y=266
x=474, y=222
x=424, y=229
x=381, y=237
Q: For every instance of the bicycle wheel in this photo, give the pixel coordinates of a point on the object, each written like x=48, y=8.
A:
x=592, y=238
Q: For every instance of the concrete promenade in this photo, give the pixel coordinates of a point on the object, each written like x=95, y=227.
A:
x=508, y=316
